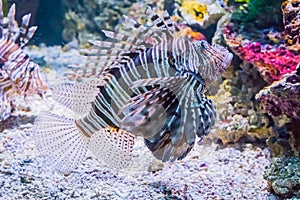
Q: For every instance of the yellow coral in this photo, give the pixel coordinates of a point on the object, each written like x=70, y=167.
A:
x=194, y=10
x=201, y=12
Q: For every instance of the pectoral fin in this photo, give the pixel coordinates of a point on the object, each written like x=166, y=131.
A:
x=113, y=147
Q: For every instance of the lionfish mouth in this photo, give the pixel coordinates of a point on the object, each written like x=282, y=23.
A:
x=224, y=57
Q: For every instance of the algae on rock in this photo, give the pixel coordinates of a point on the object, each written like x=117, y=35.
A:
x=283, y=176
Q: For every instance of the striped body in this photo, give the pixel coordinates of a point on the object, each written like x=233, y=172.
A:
x=116, y=90
x=18, y=75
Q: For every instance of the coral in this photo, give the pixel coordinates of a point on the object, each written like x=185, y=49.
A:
x=264, y=47
x=272, y=61
x=239, y=118
x=186, y=31
x=200, y=12
x=282, y=97
x=269, y=60
x=283, y=176
x=291, y=19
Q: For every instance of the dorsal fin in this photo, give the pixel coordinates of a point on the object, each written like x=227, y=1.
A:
x=164, y=24
x=10, y=30
x=25, y=33
x=126, y=38
x=11, y=22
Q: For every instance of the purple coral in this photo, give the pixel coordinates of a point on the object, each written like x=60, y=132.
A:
x=282, y=97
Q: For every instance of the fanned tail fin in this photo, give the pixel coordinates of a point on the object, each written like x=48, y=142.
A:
x=113, y=147
x=59, y=139
x=77, y=96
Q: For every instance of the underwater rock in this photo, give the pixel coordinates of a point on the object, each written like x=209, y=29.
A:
x=232, y=131
x=283, y=176
x=283, y=142
x=263, y=49
x=199, y=12
x=282, y=97
x=85, y=19
x=240, y=117
x=260, y=42
x=230, y=127
x=291, y=19
x=137, y=11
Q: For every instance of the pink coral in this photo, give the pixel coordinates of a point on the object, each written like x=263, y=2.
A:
x=271, y=61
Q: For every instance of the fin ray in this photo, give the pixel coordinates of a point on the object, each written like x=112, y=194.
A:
x=113, y=147
x=78, y=96
x=58, y=138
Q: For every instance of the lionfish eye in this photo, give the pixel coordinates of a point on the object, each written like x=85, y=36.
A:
x=31, y=69
x=203, y=44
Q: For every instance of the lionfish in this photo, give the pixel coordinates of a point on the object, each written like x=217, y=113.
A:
x=18, y=75
x=146, y=82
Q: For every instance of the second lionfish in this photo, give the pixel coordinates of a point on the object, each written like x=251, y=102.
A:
x=146, y=82
x=18, y=75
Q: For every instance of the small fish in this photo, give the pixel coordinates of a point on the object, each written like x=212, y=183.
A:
x=18, y=75
x=147, y=82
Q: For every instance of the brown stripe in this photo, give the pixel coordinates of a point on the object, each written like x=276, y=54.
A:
x=82, y=130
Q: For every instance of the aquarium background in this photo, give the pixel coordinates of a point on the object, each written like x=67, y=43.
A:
x=252, y=151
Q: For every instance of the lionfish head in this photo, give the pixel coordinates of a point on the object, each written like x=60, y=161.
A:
x=221, y=56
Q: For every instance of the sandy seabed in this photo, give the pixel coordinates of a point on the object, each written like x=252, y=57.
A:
x=208, y=172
